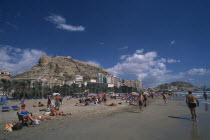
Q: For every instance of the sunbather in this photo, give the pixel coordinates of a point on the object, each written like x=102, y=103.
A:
x=112, y=104
x=41, y=118
x=55, y=112
x=35, y=104
x=40, y=104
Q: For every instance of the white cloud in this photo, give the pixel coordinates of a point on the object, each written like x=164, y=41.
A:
x=93, y=62
x=60, y=23
x=123, y=56
x=172, y=42
x=148, y=67
x=173, y=61
x=198, y=71
x=140, y=51
x=18, y=60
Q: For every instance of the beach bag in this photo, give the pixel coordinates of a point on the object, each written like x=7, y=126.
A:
x=8, y=128
x=17, y=126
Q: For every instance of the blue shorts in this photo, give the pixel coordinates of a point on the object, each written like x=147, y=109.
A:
x=57, y=103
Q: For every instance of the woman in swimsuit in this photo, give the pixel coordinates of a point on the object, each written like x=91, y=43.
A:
x=25, y=113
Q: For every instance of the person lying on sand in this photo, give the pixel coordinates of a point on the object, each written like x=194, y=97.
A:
x=41, y=118
x=40, y=104
x=112, y=104
x=35, y=104
x=55, y=111
x=45, y=109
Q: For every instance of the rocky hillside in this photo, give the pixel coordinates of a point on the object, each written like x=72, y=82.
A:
x=179, y=85
x=61, y=68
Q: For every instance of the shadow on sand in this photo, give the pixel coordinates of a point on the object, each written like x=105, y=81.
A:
x=182, y=118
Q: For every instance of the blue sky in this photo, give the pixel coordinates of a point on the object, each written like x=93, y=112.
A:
x=156, y=41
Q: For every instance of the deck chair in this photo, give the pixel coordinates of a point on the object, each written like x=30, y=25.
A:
x=15, y=107
x=24, y=122
x=5, y=108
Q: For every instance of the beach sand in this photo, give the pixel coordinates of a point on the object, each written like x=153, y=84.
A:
x=157, y=122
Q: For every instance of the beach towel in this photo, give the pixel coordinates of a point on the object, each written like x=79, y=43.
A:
x=22, y=102
x=90, y=105
x=8, y=128
x=5, y=108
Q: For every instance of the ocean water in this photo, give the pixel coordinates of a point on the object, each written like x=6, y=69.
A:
x=204, y=105
x=199, y=94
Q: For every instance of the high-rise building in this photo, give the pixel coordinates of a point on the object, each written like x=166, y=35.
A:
x=138, y=84
x=101, y=78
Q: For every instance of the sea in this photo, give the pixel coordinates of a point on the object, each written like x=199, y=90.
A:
x=204, y=105
x=199, y=94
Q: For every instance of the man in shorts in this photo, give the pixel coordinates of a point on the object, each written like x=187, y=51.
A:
x=57, y=100
x=192, y=103
x=141, y=102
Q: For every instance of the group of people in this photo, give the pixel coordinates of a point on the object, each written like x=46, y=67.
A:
x=38, y=105
x=93, y=99
x=142, y=101
x=191, y=101
x=54, y=102
x=52, y=110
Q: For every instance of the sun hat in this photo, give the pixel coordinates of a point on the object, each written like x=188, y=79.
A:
x=23, y=105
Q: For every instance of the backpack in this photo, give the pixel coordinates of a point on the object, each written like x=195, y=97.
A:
x=17, y=126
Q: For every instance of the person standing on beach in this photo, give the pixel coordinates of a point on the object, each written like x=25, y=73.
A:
x=49, y=101
x=205, y=96
x=145, y=99
x=192, y=103
x=164, y=97
x=141, y=102
x=57, y=100
x=104, y=98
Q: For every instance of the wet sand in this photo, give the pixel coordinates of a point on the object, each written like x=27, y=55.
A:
x=158, y=121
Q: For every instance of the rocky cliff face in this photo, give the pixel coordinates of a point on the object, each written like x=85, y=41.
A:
x=62, y=68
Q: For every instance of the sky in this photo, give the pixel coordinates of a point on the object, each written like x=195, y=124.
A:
x=155, y=41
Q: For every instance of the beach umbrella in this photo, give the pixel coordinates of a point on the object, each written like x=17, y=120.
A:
x=92, y=94
x=54, y=94
x=113, y=94
x=146, y=93
x=134, y=93
x=101, y=95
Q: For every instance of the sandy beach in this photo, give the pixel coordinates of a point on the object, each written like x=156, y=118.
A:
x=68, y=106
x=158, y=121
